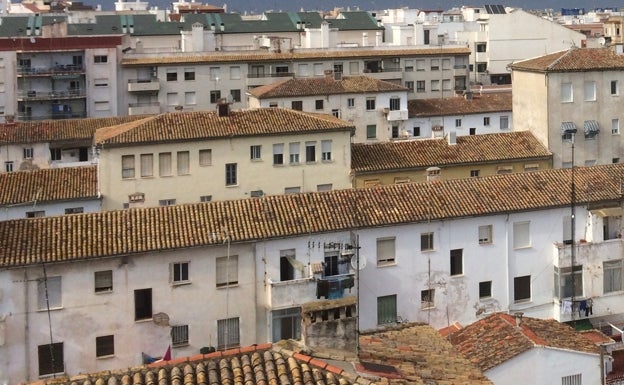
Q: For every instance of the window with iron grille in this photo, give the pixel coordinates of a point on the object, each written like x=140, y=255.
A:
x=485, y=289
x=179, y=335
x=228, y=333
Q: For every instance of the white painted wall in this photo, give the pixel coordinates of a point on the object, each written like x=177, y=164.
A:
x=50, y=208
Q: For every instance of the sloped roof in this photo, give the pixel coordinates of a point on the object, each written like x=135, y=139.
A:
x=422, y=356
x=52, y=184
x=141, y=230
x=324, y=86
x=254, y=365
x=496, y=339
x=423, y=153
x=193, y=125
x=354, y=21
x=57, y=130
x=458, y=105
x=573, y=60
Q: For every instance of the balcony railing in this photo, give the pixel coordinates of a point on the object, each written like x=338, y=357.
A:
x=64, y=115
x=143, y=85
x=45, y=95
x=271, y=75
x=143, y=108
x=299, y=291
x=59, y=69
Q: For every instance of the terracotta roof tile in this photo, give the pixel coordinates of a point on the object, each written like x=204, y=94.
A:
x=53, y=184
x=496, y=339
x=324, y=86
x=322, y=54
x=425, y=153
x=57, y=130
x=458, y=105
x=194, y=125
x=573, y=60
x=55, y=239
x=421, y=356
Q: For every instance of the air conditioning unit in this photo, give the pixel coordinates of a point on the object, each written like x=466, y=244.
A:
x=385, y=110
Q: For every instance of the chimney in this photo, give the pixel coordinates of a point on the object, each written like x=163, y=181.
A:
x=518, y=316
x=433, y=174
x=468, y=95
x=223, y=108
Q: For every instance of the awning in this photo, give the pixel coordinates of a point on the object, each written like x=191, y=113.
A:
x=591, y=127
x=568, y=127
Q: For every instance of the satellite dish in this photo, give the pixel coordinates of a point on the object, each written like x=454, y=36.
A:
x=602, y=41
x=354, y=262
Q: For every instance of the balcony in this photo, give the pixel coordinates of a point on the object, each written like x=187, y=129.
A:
x=64, y=70
x=397, y=115
x=143, y=85
x=33, y=95
x=144, y=108
x=385, y=73
x=300, y=291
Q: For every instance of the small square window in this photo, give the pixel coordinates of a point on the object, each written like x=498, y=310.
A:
x=319, y=104
x=103, y=281
x=180, y=272
x=172, y=76
x=296, y=105
x=371, y=131
x=74, y=210
x=485, y=289
x=105, y=346
x=474, y=173
x=485, y=234
x=205, y=198
x=100, y=59
x=29, y=153
x=189, y=74
x=386, y=251
x=458, y=123
x=486, y=121
x=179, y=335
x=427, y=298
x=426, y=241
x=386, y=309
x=255, y=152
x=227, y=271
x=166, y=202
x=351, y=102
x=205, y=157
x=370, y=104
x=215, y=95
x=8, y=166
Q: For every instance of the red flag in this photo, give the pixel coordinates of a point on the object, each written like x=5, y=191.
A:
x=167, y=356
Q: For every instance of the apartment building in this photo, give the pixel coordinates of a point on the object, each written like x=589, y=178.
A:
x=454, y=250
x=451, y=157
x=218, y=155
x=377, y=108
x=570, y=101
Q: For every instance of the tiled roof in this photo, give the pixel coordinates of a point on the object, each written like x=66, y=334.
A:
x=324, y=86
x=421, y=355
x=573, y=60
x=57, y=130
x=458, y=105
x=52, y=184
x=141, y=230
x=253, y=365
x=193, y=125
x=423, y=153
x=320, y=54
x=496, y=339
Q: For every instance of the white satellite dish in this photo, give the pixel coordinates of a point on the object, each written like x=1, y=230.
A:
x=354, y=262
x=602, y=41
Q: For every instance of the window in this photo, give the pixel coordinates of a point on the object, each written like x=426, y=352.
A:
x=179, y=335
x=504, y=122
x=481, y=47
x=615, y=160
x=485, y=289
x=103, y=105
x=142, y=304
x=235, y=72
x=228, y=333
x=416, y=131
x=589, y=89
x=481, y=67
x=324, y=187
x=180, y=272
x=420, y=86
x=28, y=153
x=205, y=157
x=521, y=235
x=395, y=104
x=435, y=85
x=49, y=293
x=227, y=271
x=55, y=154
x=409, y=65
x=574, y=379
x=612, y=276
x=215, y=73
x=370, y=104
x=485, y=234
x=172, y=98
x=420, y=64
x=474, y=173
x=35, y=214
x=287, y=260
x=255, y=152
x=51, y=359
x=371, y=131
x=446, y=84
x=566, y=93
x=127, y=166
x=486, y=121
x=215, y=95
x=231, y=177
x=410, y=86
x=615, y=126
x=426, y=241
x=457, y=262
x=292, y=190
x=293, y=153
x=278, y=153
x=522, y=288
x=568, y=281
x=338, y=68
x=74, y=210
x=354, y=68
x=189, y=74
x=297, y=105
x=236, y=95
x=147, y=165
x=100, y=59
x=427, y=298
x=105, y=346
x=385, y=251
x=615, y=89
x=167, y=202
x=310, y=152
x=318, y=104
x=164, y=164
x=335, y=113
x=435, y=64
x=183, y=162
x=286, y=324
x=386, y=309
x=351, y=102
x=103, y=281
x=205, y=198
x=326, y=151
x=458, y=123
x=190, y=98
x=172, y=75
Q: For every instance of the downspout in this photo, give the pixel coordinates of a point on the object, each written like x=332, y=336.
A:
x=26, y=328
x=507, y=246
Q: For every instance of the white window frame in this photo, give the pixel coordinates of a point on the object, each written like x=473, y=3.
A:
x=179, y=335
x=522, y=234
x=53, y=286
x=430, y=246
x=103, y=281
x=589, y=91
x=615, y=126
x=294, y=149
x=226, y=271
x=386, y=251
x=326, y=150
x=612, y=274
x=180, y=272
x=255, y=152
x=567, y=93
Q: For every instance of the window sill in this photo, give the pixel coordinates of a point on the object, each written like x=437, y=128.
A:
x=457, y=276
x=227, y=286
x=386, y=263
x=231, y=185
x=294, y=164
x=180, y=283
x=485, y=243
x=104, y=292
x=184, y=174
x=143, y=320
x=51, y=309
x=147, y=177
x=427, y=251
x=109, y=356
x=327, y=161
x=256, y=160
x=52, y=375
x=522, y=247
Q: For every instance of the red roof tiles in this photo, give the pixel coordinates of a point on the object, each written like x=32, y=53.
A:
x=573, y=60
x=458, y=105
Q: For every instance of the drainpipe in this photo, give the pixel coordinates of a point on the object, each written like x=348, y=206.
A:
x=26, y=329
x=507, y=246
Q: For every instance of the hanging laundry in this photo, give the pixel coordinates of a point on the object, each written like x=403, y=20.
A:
x=566, y=307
